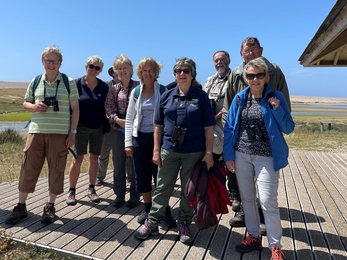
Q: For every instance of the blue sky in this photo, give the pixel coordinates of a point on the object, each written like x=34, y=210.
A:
x=165, y=30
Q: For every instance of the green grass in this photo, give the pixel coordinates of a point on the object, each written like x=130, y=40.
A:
x=15, y=116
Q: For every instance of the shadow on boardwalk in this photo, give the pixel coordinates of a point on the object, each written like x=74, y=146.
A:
x=312, y=199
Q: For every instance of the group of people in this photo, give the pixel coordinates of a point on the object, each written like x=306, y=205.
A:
x=158, y=132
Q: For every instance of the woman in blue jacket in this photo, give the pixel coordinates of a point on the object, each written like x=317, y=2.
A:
x=255, y=149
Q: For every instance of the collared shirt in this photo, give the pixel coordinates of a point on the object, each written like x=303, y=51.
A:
x=92, y=103
x=117, y=102
x=192, y=111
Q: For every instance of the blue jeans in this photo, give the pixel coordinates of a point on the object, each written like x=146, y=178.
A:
x=256, y=173
x=172, y=164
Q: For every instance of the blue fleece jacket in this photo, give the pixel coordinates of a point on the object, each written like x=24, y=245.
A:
x=277, y=121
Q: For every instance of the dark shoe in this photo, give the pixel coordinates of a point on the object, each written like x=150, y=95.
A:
x=249, y=244
x=238, y=220
x=276, y=253
x=142, y=217
x=17, y=214
x=48, y=216
x=236, y=205
x=99, y=182
x=132, y=203
x=71, y=198
x=146, y=230
x=93, y=196
x=118, y=202
x=262, y=229
x=184, y=233
x=170, y=222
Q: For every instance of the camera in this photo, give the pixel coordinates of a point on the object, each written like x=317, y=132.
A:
x=178, y=135
x=51, y=101
x=254, y=131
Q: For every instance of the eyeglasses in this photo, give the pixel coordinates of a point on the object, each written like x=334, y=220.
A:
x=251, y=50
x=55, y=62
x=91, y=66
x=185, y=71
x=251, y=76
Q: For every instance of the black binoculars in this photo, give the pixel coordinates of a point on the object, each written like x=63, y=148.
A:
x=51, y=101
x=253, y=131
x=178, y=135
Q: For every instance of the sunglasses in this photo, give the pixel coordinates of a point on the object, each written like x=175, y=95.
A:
x=260, y=75
x=91, y=66
x=185, y=71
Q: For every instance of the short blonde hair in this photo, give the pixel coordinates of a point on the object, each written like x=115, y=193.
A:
x=121, y=60
x=52, y=49
x=95, y=59
x=157, y=67
x=256, y=63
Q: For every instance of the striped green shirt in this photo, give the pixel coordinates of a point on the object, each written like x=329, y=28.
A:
x=51, y=122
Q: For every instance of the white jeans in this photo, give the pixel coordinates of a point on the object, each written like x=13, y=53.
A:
x=256, y=173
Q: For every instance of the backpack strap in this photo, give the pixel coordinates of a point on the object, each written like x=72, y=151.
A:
x=36, y=82
x=137, y=92
x=66, y=82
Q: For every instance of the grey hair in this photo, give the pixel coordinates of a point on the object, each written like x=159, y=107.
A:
x=187, y=62
x=52, y=49
x=95, y=59
x=250, y=41
x=256, y=63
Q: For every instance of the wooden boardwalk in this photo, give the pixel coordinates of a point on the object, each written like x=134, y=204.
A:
x=313, y=207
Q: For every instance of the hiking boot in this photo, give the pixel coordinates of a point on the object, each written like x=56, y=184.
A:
x=276, y=254
x=147, y=229
x=19, y=212
x=48, y=216
x=249, y=244
x=93, y=196
x=99, y=182
x=184, y=233
x=71, y=198
x=118, y=202
x=238, y=220
x=132, y=203
x=142, y=217
x=170, y=222
x=235, y=204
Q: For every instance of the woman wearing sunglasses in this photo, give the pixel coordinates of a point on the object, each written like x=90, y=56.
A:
x=255, y=149
x=92, y=95
x=183, y=136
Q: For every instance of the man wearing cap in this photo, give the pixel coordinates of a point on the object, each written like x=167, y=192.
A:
x=215, y=87
x=251, y=49
x=107, y=140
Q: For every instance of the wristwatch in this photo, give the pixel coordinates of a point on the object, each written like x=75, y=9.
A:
x=74, y=131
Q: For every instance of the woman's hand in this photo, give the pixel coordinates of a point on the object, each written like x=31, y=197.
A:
x=208, y=159
x=129, y=151
x=230, y=164
x=274, y=102
x=121, y=122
